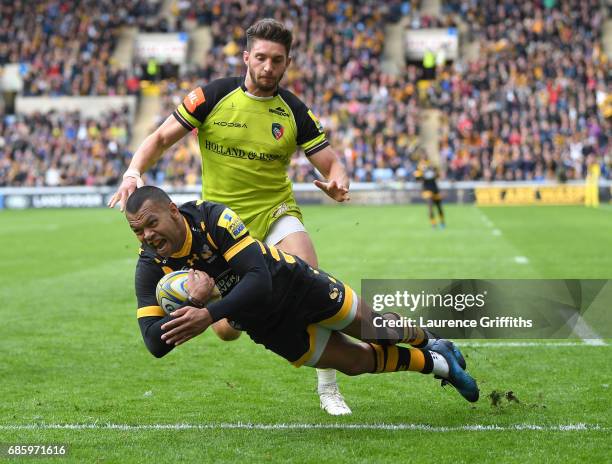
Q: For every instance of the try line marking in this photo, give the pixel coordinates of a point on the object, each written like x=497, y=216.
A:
x=248, y=426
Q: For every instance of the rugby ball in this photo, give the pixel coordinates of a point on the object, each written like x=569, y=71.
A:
x=172, y=291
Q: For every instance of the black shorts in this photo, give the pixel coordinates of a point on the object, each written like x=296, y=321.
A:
x=302, y=330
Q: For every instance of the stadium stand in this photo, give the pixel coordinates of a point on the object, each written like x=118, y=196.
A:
x=63, y=148
x=530, y=105
x=65, y=48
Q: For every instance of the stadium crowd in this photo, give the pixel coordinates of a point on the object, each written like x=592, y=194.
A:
x=531, y=106
x=65, y=47
x=528, y=108
x=63, y=148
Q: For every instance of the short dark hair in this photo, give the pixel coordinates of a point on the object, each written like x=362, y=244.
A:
x=269, y=29
x=144, y=193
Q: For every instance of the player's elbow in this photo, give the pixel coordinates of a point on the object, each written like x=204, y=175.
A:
x=150, y=328
x=156, y=346
x=157, y=350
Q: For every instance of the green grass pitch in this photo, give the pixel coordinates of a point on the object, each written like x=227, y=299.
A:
x=72, y=352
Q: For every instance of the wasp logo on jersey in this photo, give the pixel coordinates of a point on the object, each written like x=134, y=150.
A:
x=232, y=223
x=335, y=293
x=277, y=130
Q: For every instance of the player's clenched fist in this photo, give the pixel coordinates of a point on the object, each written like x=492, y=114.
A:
x=200, y=286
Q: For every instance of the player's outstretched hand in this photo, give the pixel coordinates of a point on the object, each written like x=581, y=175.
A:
x=334, y=190
x=127, y=187
x=188, y=322
x=200, y=286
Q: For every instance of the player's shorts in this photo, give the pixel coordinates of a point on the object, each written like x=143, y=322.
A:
x=301, y=334
x=431, y=194
x=282, y=227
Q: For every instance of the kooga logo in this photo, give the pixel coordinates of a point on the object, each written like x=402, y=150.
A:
x=230, y=124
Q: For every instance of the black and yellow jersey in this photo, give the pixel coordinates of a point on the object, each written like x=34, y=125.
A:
x=427, y=174
x=257, y=281
x=246, y=144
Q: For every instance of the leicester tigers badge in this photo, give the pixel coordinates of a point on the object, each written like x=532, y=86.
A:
x=277, y=130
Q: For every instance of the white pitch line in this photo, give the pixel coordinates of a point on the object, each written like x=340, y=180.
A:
x=294, y=426
x=584, y=331
x=521, y=260
x=584, y=344
x=485, y=219
x=594, y=342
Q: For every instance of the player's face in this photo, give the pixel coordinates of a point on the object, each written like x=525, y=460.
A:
x=266, y=64
x=159, y=226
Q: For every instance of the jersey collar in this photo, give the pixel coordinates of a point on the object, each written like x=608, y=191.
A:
x=255, y=97
x=186, y=248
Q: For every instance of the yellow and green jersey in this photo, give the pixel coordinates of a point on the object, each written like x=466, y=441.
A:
x=246, y=144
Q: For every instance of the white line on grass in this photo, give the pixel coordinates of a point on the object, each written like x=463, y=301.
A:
x=578, y=324
x=545, y=344
x=584, y=331
x=249, y=426
x=484, y=218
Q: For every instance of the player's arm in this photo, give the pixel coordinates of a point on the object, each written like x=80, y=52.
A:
x=150, y=327
x=152, y=148
x=337, y=181
x=147, y=154
x=311, y=138
x=150, y=315
x=249, y=293
x=231, y=239
x=255, y=283
x=189, y=115
x=243, y=254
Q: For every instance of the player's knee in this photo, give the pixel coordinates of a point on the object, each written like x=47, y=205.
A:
x=229, y=335
x=225, y=331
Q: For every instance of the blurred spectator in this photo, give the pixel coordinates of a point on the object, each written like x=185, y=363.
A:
x=532, y=105
x=65, y=48
x=63, y=149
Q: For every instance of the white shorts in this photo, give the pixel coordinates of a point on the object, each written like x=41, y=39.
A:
x=282, y=227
